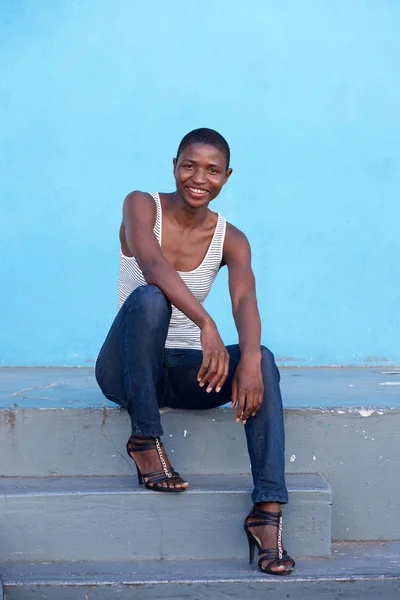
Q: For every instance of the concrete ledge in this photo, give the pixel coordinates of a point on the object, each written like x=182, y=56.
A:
x=367, y=571
x=75, y=387
x=112, y=518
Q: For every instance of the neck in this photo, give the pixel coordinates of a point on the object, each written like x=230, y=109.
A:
x=185, y=215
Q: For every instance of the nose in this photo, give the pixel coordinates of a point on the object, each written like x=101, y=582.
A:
x=199, y=176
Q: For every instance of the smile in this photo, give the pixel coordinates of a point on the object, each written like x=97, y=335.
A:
x=197, y=191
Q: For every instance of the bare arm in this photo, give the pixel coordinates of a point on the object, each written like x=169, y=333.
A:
x=242, y=289
x=247, y=387
x=139, y=214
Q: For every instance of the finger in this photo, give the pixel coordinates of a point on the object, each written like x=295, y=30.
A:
x=212, y=369
x=240, y=405
x=204, y=366
x=260, y=399
x=218, y=375
x=249, y=406
x=258, y=402
x=222, y=372
x=225, y=373
x=234, y=394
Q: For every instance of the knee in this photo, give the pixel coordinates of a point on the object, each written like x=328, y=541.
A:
x=267, y=355
x=269, y=367
x=150, y=301
x=268, y=362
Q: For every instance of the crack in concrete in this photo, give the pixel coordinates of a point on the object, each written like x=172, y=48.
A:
x=21, y=393
x=103, y=431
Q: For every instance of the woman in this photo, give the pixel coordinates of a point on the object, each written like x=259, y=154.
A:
x=164, y=349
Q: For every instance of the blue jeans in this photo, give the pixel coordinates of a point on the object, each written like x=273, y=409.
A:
x=135, y=370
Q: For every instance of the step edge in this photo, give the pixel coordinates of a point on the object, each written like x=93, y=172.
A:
x=135, y=492
x=143, y=582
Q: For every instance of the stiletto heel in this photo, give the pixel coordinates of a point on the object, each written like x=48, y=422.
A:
x=252, y=545
x=276, y=556
x=156, y=479
x=139, y=476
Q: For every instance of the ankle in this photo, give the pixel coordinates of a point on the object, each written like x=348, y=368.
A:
x=138, y=438
x=270, y=506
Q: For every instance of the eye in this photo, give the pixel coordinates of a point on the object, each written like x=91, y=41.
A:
x=213, y=170
x=187, y=166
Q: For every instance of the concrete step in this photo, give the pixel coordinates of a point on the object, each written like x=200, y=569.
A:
x=112, y=518
x=368, y=571
x=343, y=423
x=355, y=450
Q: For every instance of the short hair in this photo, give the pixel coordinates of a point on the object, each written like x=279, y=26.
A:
x=206, y=136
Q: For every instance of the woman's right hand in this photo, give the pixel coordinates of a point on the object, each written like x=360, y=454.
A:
x=215, y=365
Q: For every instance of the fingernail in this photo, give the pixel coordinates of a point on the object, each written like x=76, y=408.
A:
x=218, y=389
x=244, y=422
x=237, y=420
x=208, y=390
x=202, y=384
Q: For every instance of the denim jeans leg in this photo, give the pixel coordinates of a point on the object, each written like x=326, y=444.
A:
x=264, y=432
x=141, y=330
x=266, y=438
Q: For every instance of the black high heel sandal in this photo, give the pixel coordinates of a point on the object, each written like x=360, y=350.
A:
x=156, y=479
x=276, y=556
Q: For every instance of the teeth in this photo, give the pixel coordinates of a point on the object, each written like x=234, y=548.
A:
x=197, y=191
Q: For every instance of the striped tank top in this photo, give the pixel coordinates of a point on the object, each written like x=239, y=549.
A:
x=182, y=333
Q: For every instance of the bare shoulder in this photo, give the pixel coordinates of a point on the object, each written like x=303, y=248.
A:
x=139, y=215
x=235, y=238
x=138, y=197
x=236, y=245
x=139, y=206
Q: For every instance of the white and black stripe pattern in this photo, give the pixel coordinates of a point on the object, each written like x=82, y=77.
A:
x=182, y=333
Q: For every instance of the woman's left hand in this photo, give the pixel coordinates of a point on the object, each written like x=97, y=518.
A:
x=247, y=388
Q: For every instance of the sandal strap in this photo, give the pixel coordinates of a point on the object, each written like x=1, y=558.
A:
x=263, y=522
x=271, y=559
x=159, y=477
x=287, y=557
x=259, y=512
x=275, y=559
x=150, y=444
x=269, y=552
x=265, y=517
x=170, y=474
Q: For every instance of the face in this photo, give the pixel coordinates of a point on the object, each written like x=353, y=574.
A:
x=200, y=172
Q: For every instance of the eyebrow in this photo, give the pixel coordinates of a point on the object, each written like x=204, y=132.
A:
x=193, y=161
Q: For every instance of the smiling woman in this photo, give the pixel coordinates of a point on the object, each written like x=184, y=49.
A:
x=201, y=166
x=164, y=349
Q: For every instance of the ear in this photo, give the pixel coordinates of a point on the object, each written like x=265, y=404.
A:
x=227, y=175
x=174, y=162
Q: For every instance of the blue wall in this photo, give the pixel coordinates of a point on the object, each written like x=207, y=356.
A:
x=94, y=98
